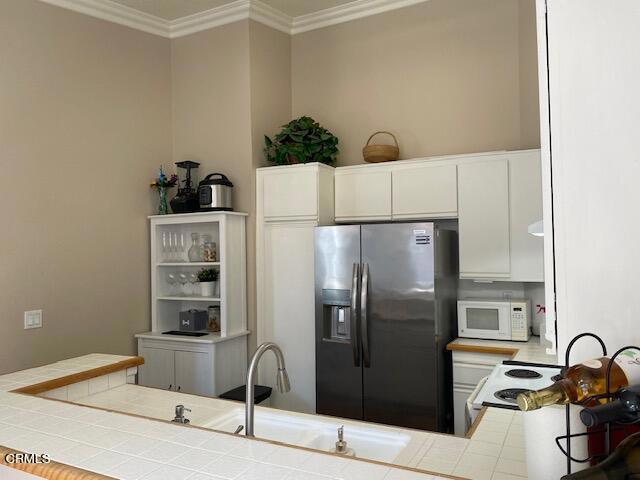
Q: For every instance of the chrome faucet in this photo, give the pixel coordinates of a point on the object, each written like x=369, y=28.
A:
x=282, y=381
x=180, y=418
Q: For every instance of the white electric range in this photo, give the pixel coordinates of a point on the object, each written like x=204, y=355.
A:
x=506, y=382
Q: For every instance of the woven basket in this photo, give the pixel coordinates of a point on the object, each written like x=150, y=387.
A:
x=381, y=153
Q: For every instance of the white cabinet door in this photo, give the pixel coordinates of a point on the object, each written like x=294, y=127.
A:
x=289, y=312
x=483, y=219
x=290, y=194
x=363, y=194
x=158, y=370
x=194, y=373
x=425, y=191
x=525, y=190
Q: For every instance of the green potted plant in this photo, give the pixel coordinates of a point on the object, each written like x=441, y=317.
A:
x=208, y=278
x=302, y=140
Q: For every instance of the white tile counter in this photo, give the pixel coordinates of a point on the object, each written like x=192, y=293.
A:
x=499, y=435
x=532, y=351
x=129, y=448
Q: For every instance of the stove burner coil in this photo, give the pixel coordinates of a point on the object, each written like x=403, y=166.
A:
x=522, y=373
x=509, y=394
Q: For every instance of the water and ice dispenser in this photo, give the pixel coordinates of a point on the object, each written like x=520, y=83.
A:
x=336, y=310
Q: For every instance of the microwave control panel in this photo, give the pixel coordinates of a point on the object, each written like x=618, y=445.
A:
x=520, y=321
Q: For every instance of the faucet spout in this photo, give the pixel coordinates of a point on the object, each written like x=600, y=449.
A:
x=282, y=381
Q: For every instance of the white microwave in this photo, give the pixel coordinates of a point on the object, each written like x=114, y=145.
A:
x=494, y=319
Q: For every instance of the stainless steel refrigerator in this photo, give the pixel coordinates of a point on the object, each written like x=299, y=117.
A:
x=385, y=311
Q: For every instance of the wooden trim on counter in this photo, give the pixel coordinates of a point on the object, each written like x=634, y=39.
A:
x=476, y=423
x=481, y=349
x=80, y=376
x=52, y=470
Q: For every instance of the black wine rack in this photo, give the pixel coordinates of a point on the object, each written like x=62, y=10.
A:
x=609, y=426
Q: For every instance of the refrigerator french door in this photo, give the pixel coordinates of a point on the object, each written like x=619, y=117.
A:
x=385, y=310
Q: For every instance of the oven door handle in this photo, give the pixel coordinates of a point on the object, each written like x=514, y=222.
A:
x=469, y=417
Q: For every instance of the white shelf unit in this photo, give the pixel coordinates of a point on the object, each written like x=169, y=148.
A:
x=228, y=231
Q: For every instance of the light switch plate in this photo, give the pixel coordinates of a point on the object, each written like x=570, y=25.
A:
x=33, y=319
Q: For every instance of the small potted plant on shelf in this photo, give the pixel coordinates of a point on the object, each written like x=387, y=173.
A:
x=302, y=140
x=208, y=278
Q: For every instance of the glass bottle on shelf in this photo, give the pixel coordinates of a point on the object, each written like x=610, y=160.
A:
x=209, y=253
x=195, y=251
x=214, y=318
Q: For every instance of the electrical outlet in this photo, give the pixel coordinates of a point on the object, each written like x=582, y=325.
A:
x=33, y=319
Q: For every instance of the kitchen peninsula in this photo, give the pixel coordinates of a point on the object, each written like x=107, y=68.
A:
x=41, y=413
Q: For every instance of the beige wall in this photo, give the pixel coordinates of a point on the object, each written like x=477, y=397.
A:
x=270, y=108
x=230, y=85
x=81, y=98
x=446, y=76
x=84, y=123
x=211, y=104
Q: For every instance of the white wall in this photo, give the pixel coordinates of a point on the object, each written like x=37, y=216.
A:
x=594, y=71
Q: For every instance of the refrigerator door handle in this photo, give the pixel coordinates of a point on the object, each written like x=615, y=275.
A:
x=354, y=315
x=364, y=289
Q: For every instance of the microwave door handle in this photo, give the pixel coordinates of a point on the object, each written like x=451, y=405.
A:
x=353, y=317
x=366, y=358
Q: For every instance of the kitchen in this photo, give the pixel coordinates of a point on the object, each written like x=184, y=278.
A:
x=482, y=145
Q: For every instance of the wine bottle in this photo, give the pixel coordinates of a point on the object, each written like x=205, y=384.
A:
x=625, y=408
x=623, y=463
x=585, y=379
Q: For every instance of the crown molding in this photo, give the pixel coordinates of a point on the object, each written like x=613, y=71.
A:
x=116, y=13
x=346, y=13
x=229, y=13
x=215, y=17
x=271, y=17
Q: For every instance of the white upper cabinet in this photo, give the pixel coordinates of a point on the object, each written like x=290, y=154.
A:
x=483, y=218
x=362, y=193
x=494, y=196
x=292, y=192
x=424, y=191
x=525, y=208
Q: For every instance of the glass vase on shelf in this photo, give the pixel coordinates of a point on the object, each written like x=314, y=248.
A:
x=163, y=208
x=195, y=251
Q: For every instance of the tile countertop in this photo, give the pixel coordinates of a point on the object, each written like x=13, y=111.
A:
x=531, y=351
x=494, y=452
x=126, y=447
